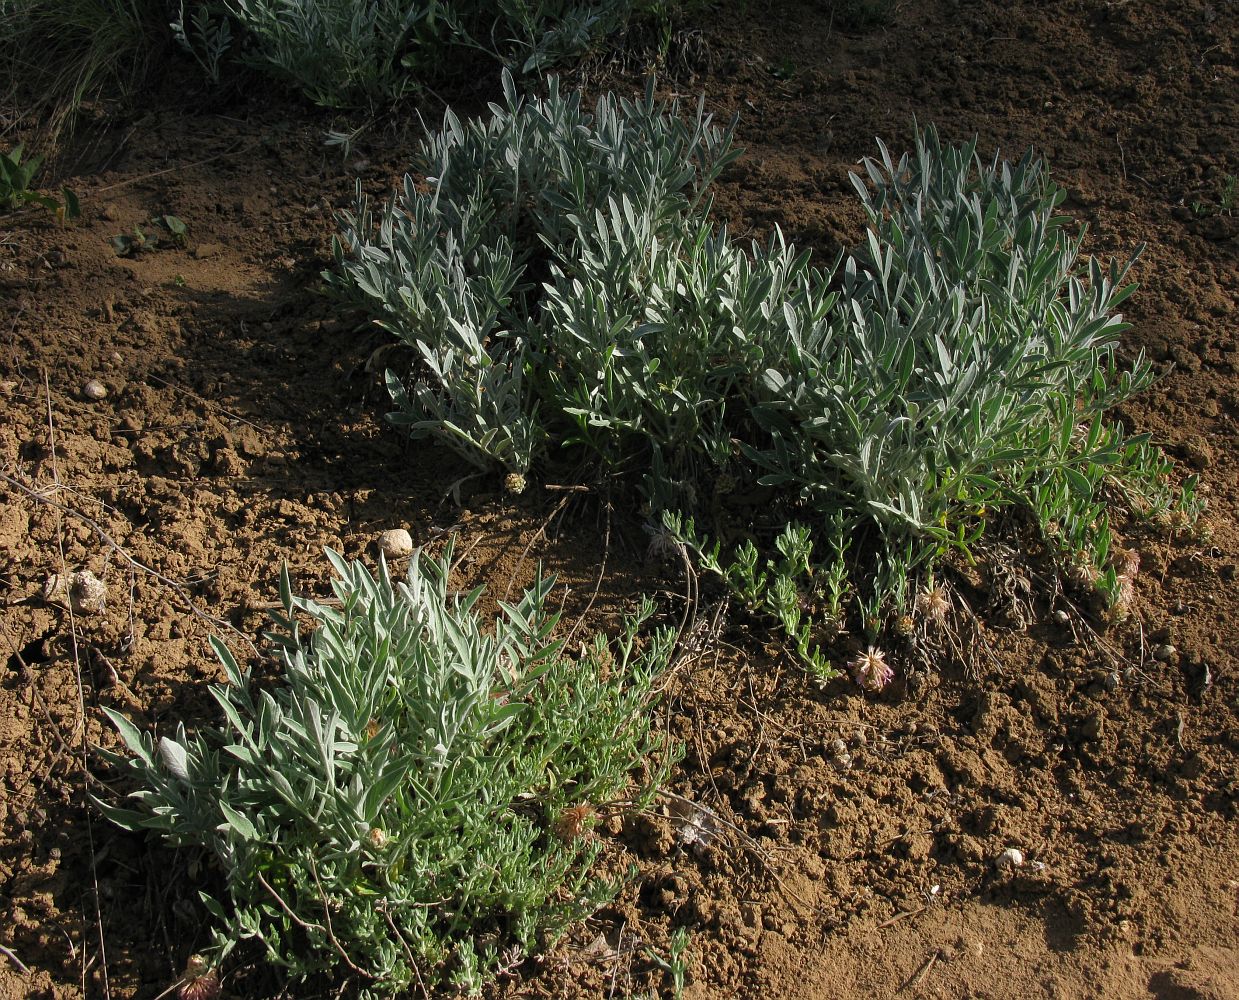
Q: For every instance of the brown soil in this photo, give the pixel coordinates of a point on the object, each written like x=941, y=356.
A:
x=849, y=843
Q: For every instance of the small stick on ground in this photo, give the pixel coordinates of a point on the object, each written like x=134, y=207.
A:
x=534, y=541
x=84, y=747
x=307, y=926
x=602, y=569
x=919, y=975
x=331, y=933
x=206, y=402
x=747, y=841
x=900, y=916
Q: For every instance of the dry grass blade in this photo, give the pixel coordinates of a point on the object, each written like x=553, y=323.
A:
x=21, y=966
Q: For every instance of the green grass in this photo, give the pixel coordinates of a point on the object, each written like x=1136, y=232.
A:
x=56, y=55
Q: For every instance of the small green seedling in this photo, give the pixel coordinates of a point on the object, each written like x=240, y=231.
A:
x=1227, y=197
x=167, y=230
x=176, y=227
x=784, y=69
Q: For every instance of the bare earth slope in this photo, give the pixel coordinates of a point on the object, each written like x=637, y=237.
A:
x=851, y=841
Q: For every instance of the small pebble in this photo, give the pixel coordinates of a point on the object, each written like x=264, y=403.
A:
x=84, y=592
x=1164, y=653
x=87, y=592
x=1061, y=617
x=395, y=543
x=1012, y=857
x=94, y=389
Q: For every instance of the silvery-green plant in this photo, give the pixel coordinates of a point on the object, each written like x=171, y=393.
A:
x=205, y=32
x=530, y=257
x=565, y=293
x=351, y=52
x=391, y=807
x=970, y=367
x=336, y=52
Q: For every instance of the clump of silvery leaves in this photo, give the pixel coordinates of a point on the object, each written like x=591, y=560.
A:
x=343, y=53
x=412, y=801
x=567, y=299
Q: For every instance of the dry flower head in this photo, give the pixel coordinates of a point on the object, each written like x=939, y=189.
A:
x=199, y=981
x=575, y=821
x=1126, y=562
x=932, y=603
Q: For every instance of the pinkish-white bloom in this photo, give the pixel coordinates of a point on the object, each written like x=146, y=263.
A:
x=871, y=671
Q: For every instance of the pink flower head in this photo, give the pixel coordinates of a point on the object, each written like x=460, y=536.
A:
x=871, y=671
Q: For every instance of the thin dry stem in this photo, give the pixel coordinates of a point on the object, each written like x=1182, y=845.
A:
x=21, y=966
x=534, y=541
x=81, y=708
x=602, y=569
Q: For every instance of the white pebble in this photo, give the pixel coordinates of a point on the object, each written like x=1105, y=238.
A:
x=395, y=543
x=94, y=389
x=1012, y=857
x=1164, y=653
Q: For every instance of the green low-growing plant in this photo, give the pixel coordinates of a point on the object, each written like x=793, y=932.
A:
x=567, y=298
x=205, y=32
x=411, y=800
x=1220, y=201
x=161, y=230
x=518, y=271
x=16, y=192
